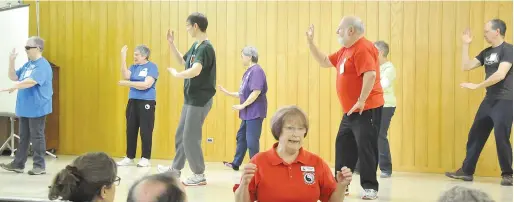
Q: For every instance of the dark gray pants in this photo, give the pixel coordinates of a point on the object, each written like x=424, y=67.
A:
x=32, y=130
x=384, y=153
x=188, y=139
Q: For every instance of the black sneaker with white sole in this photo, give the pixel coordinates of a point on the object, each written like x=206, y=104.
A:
x=11, y=167
x=37, y=171
x=459, y=174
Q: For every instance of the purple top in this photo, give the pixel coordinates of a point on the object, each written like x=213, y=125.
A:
x=253, y=79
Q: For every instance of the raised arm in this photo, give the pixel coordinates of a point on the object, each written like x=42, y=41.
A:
x=319, y=56
x=468, y=64
x=125, y=73
x=174, y=51
x=12, y=71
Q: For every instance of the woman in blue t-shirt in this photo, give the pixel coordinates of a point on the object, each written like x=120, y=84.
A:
x=141, y=78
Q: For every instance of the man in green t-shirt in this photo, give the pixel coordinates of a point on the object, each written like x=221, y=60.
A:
x=199, y=88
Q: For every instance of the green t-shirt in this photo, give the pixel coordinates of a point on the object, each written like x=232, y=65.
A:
x=200, y=89
x=387, y=79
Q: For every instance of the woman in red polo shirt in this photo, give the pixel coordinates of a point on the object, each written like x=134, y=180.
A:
x=287, y=172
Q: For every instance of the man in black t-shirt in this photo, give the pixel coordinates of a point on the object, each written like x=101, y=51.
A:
x=495, y=111
x=199, y=88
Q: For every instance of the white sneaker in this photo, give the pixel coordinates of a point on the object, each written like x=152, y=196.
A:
x=196, y=180
x=125, y=162
x=143, y=163
x=370, y=194
x=164, y=169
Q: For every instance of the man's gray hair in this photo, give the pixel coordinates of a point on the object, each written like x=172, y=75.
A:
x=251, y=51
x=382, y=46
x=40, y=43
x=463, y=194
x=357, y=24
x=143, y=50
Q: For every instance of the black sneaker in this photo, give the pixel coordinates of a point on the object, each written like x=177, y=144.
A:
x=506, y=180
x=230, y=165
x=459, y=174
x=37, y=171
x=11, y=167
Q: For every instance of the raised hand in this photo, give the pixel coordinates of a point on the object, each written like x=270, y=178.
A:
x=13, y=54
x=124, y=52
x=466, y=36
x=170, y=36
x=310, y=33
x=248, y=173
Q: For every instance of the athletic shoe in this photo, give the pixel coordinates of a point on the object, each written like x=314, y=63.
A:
x=125, y=162
x=143, y=163
x=385, y=175
x=230, y=165
x=195, y=180
x=370, y=194
x=11, y=167
x=459, y=174
x=164, y=169
x=506, y=180
x=37, y=171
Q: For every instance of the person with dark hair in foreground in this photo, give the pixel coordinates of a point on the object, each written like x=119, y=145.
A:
x=287, y=172
x=199, y=88
x=162, y=187
x=495, y=111
x=91, y=177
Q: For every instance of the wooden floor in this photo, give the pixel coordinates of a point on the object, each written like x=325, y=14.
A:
x=423, y=187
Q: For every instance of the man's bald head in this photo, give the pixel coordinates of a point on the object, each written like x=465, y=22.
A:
x=157, y=188
x=353, y=22
x=350, y=30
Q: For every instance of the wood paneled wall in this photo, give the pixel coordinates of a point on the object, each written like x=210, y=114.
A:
x=428, y=132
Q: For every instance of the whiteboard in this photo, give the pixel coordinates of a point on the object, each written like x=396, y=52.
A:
x=14, y=23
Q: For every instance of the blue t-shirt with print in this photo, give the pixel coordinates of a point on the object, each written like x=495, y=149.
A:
x=139, y=74
x=35, y=101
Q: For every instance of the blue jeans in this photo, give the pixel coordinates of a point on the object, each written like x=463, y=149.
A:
x=248, y=137
x=32, y=130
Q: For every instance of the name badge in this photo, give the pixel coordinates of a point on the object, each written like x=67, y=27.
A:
x=143, y=73
x=307, y=169
x=27, y=73
x=341, y=67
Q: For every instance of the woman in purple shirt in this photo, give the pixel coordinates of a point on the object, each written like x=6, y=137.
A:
x=252, y=108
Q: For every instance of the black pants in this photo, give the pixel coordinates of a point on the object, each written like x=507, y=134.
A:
x=491, y=114
x=357, y=139
x=140, y=114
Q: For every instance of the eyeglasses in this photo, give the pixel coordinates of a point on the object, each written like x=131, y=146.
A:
x=29, y=47
x=291, y=129
x=117, y=181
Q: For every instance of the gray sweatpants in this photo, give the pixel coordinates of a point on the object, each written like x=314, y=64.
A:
x=32, y=130
x=188, y=139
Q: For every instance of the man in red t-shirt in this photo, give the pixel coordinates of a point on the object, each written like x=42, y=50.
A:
x=361, y=96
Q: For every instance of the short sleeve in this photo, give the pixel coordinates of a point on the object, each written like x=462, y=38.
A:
x=506, y=54
x=204, y=55
x=153, y=71
x=257, y=80
x=41, y=73
x=364, y=62
x=328, y=183
x=334, y=57
x=480, y=57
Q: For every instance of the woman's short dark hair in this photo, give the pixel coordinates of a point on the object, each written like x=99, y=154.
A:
x=288, y=113
x=84, y=178
x=172, y=193
x=199, y=19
